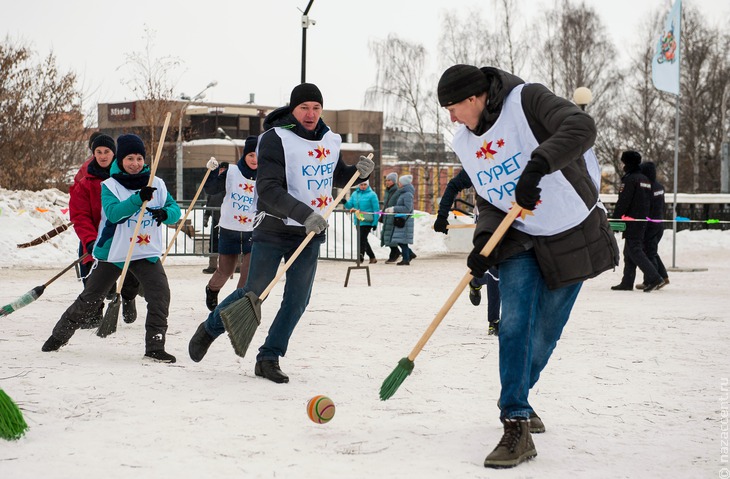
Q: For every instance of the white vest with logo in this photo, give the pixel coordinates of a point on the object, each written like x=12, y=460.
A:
x=494, y=162
x=148, y=243
x=310, y=167
x=238, y=208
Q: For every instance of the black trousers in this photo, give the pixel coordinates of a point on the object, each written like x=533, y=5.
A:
x=365, y=247
x=651, y=248
x=102, y=278
x=634, y=256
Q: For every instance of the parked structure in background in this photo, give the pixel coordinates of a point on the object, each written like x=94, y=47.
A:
x=361, y=132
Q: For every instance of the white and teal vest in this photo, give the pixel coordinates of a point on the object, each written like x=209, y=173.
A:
x=238, y=208
x=494, y=162
x=148, y=242
x=310, y=167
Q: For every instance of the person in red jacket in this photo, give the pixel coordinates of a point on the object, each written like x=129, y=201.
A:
x=85, y=212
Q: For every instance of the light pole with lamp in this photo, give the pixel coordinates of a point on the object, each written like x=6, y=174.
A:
x=582, y=96
x=223, y=133
x=178, y=143
x=306, y=22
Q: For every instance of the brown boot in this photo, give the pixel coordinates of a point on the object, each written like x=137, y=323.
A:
x=515, y=447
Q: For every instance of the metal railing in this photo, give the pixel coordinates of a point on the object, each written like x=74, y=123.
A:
x=194, y=237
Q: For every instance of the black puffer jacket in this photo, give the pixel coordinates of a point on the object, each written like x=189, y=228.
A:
x=634, y=200
x=657, y=203
x=271, y=186
x=564, y=132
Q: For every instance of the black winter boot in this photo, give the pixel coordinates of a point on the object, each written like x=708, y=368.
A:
x=160, y=356
x=211, y=298
x=199, y=343
x=129, y=310
x=475, y=293
x=52, y=344
x=270, y=370
x=515, y=447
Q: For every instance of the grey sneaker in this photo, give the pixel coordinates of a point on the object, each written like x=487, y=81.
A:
x=515, y=447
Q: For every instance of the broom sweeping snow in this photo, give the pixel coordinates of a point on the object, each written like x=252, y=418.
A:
x=12, y=424
x=242, y=317
x=36, y=292
x=109, y=322
x=405, y=365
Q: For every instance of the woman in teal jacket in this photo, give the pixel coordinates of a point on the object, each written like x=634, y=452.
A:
x=364, y=204
x=122, y=196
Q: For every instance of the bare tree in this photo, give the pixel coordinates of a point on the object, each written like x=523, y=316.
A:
x=705, y=73
x=150, y=79
x=406, y=94
x=41, y=127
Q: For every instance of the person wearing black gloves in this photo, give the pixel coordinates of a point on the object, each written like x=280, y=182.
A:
x=299, y=162
x=122, y=196
x=634, y=200
x=522, y=145
x=491, y=277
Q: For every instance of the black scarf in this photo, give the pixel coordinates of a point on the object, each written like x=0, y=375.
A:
x=133, y=182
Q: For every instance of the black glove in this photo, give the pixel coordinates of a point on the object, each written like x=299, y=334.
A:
x=477, y=263
x=90, y=247
x=146, y=193
x=158, y=214
x=527, y=193
x=440, y=225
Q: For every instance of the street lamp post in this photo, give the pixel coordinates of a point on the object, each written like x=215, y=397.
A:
x=178, y=143
x=582, y=96
x=306, y=22
x=223, y=133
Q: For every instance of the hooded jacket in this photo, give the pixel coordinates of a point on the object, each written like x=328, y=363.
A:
x=564, y=132
x=274, y=199
x=365, y=201
x=85, y=202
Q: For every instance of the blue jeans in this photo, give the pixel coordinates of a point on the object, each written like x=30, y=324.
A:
x=265, y=260
x=533, y=318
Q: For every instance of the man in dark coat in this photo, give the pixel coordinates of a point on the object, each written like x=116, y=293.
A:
x=654, y=230
x=523, y=145
x=634, y=201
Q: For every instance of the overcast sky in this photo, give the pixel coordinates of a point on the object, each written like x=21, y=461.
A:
x=256, y=46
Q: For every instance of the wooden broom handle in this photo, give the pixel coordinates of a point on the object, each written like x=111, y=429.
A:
x=486, y=251
x=187, y=212
x=143, y=208
x=309, y=237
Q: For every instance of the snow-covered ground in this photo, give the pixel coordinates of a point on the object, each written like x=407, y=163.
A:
x=637, y=387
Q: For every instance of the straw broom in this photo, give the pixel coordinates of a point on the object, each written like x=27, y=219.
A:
x=109, y=322
x=405, y=365
x=242, y=317
x=36, y=292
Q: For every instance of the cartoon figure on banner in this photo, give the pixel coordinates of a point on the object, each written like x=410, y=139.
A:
x=667, y=47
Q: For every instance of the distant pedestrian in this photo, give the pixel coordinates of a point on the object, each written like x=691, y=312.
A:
x=363, y=204
x=654, y=230
x=401, y=232
x=634, y=201
x=391, y=186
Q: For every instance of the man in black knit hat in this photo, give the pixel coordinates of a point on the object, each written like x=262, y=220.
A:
x=522, y=145
x=299, y=162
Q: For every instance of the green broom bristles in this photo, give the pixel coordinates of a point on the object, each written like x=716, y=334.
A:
x=12, y=424
x=396, y=378
x=241, y=319
x=109, y=322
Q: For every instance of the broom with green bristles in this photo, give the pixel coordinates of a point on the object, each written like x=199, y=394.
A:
x=12, y=424
x=243, y=316
x=405, y=365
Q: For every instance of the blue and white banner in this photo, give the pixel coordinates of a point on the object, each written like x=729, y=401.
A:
x=665, y=63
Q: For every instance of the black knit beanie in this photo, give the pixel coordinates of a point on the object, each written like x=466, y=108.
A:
x=459, y=82
x=92, y=138
x=250, y=145
x=104, y=140
x=305, y=92
x=631, y=158
x=128, y=144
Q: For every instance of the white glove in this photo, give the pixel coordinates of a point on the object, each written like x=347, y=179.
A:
x=390, y=210
x=365, y=166
x=212, y=163
x=315, y=222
